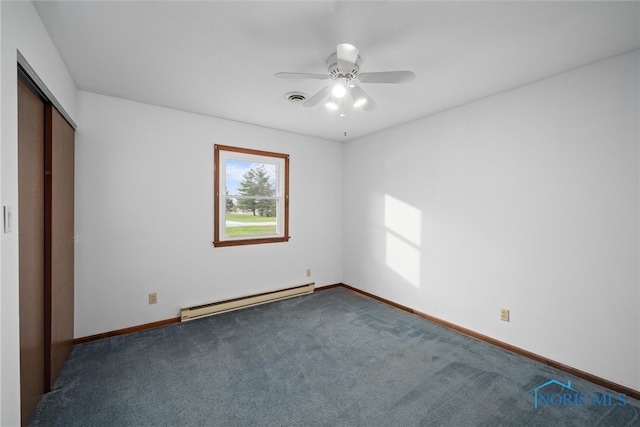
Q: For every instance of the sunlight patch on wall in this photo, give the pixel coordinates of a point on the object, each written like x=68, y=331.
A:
x=403, y=223
x=403, y=219
x=404, y=259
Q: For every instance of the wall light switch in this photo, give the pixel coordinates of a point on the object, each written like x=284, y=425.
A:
x=8, y=219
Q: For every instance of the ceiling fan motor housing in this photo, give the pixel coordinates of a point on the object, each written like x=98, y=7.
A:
x=335, y=73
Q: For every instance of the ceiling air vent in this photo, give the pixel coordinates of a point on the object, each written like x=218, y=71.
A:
x=295, y=97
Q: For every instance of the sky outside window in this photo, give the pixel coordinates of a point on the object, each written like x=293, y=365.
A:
x=235, y=170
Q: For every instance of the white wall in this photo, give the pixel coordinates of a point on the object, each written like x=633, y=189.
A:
x=144, y=214
x=21, y=29
x=1, y=383
x=527, y=200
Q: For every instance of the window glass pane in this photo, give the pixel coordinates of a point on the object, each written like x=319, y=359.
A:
x=251, y=217
x=250, y=178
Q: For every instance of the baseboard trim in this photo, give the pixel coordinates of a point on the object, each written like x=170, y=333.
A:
x=125, y=331
x=517, y=350
x=335, y=285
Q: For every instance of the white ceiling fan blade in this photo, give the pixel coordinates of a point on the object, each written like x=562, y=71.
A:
x=347, y=55
x=317, y=97
x=361, y=99
x=302, y=76
x=387, y=77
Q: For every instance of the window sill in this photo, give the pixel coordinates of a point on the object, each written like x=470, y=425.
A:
x=241, y=242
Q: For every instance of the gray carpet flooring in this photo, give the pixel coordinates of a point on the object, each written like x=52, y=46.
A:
x=332, y=358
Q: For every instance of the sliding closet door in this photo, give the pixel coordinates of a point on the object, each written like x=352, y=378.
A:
x=59, y=225
x=31, y=242
x=45, y=218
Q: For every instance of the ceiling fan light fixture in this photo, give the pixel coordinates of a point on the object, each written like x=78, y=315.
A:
x=360, y=97
x=331, y=105
x=339, y=89
x=359, y=102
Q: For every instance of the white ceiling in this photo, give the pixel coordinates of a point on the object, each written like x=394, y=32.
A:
x=218, y=58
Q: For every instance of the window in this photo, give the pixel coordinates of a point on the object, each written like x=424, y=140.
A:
x=251, y=196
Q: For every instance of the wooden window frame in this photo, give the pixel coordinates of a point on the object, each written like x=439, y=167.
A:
x=219, y=240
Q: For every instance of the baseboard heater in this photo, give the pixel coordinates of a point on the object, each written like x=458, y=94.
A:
x=199, y=311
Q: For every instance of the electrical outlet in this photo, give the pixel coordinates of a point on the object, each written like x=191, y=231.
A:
x=504, y=314
x=308, y=272
x=153, y=298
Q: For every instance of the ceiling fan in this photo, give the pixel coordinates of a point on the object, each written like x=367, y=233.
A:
x=345, y=91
